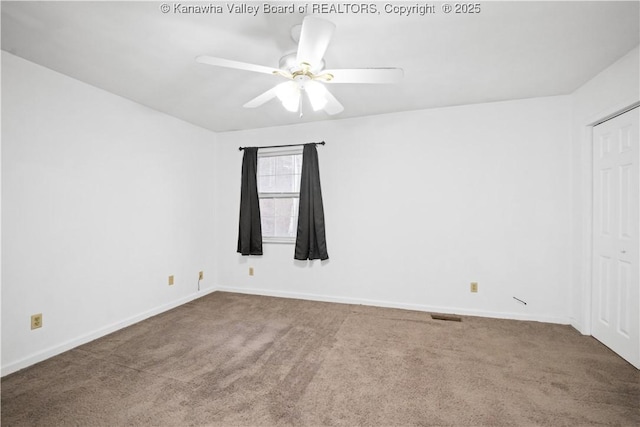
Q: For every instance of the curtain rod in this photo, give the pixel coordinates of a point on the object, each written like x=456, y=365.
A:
x=281, y=146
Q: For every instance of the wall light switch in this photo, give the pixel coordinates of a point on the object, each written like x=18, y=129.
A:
x=474, y=286
x=201, y=275
x=250, y=271
x=171, y=280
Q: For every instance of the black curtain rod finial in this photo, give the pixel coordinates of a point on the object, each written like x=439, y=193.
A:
x=282, y=146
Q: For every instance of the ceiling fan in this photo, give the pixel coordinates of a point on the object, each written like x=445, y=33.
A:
x=305, y=71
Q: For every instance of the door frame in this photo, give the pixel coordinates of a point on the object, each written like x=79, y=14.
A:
x=587, y=204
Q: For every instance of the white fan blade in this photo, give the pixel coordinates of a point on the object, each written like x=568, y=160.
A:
x=314, y=39
x=228, y=63
x=364, y=75
x=262, y=99
x=317, y=94
x=333, y=106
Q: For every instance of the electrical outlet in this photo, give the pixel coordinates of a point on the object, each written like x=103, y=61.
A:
x=171, y=280
x=201, y=275
x=36, y=321
x=250, y=271
x=474, y=286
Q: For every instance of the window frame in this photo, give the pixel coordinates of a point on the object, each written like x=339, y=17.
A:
x=278, y=152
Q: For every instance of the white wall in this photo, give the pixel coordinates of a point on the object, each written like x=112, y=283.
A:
x=102, y=199
x=420, y=204
x=614, y=89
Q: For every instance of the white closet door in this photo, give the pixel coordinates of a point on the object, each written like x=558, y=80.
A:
x=615, y=319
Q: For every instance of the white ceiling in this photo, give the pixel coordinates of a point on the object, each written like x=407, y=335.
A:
x=510, y=50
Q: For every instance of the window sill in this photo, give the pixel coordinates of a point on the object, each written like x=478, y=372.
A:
x=279, y=240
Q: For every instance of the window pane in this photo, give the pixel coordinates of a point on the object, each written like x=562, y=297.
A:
x=279, y=216
x=296, y=183
x=298, y=166
x=267, y=207
x=268, y=226
x=297, y=170
x=268, y=217
x=286, y=215
x=279, y=174
x=266, y=184
x=286, y=183
x=286, y=207
x=286, y=226
x=285, y=164
x=266, y=165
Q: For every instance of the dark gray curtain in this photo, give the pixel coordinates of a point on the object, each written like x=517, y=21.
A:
x=311, y=242
x=250, y=230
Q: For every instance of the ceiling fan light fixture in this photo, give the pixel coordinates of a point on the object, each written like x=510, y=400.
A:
x=289, y=94
x=292, y=104
x=317, y=94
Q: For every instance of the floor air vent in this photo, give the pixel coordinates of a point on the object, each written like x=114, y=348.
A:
x=448, y=317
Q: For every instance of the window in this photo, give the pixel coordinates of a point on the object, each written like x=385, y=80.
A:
x=279, y=193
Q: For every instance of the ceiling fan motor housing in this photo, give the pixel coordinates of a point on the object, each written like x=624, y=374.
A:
x=288, y=63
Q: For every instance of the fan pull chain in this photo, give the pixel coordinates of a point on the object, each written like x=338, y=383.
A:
x=300, y=103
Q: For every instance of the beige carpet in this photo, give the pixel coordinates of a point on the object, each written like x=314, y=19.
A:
x=230, y=359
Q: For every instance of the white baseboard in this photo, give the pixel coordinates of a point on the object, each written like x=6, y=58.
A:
x=68, y=345
x=577, y=326
x=391, y=304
